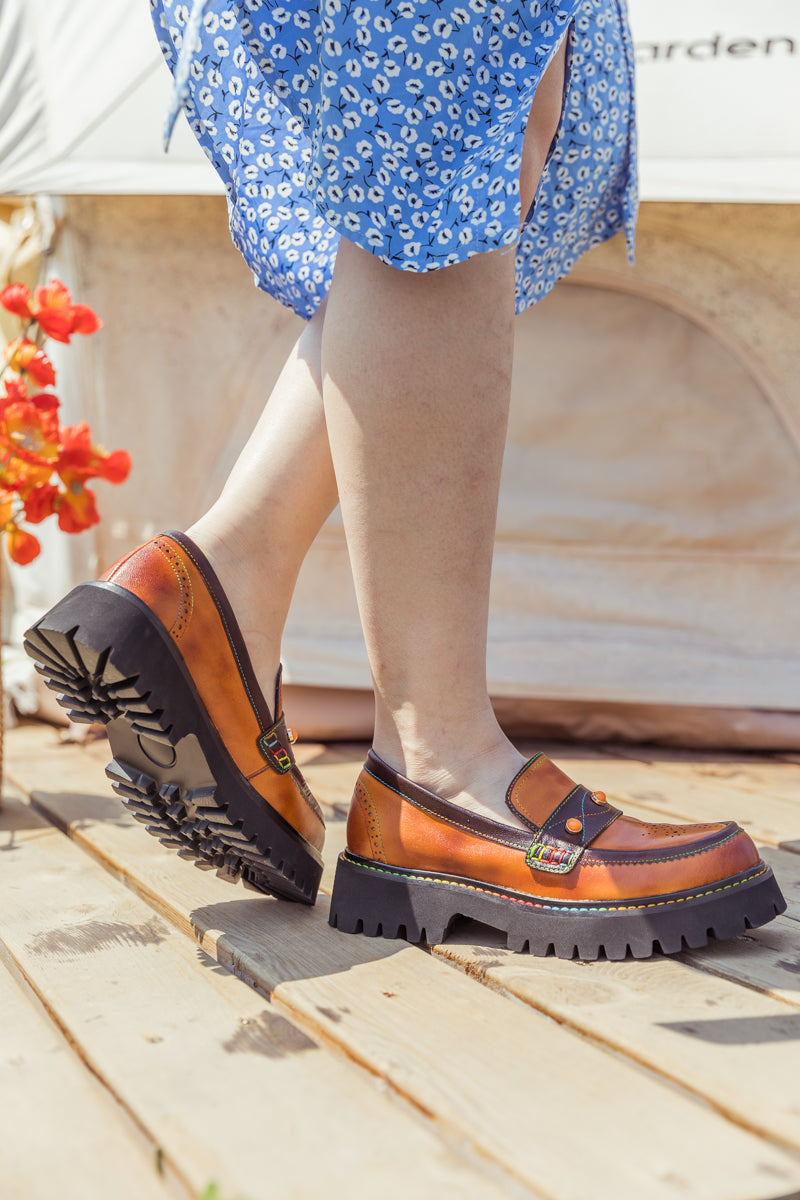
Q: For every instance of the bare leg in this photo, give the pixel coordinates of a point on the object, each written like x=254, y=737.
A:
x=416, y=384
x=417, y=425
x=279, y=493
x=418, y=442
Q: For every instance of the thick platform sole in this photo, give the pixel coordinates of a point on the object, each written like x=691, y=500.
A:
x=386, y=901
x=108, y=659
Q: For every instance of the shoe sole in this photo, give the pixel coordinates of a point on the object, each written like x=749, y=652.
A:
x=385, y=901
x=109, y=659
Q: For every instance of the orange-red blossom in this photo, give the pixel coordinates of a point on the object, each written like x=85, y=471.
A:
x=52, y=308
x=26, y=358
x=44, y=468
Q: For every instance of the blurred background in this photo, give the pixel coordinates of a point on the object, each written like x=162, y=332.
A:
x=647, y=565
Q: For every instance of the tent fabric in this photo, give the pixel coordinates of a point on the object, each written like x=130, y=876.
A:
x=84, y=93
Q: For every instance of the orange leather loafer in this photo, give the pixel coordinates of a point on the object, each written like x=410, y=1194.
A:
x=154, y=651
x=581, y=880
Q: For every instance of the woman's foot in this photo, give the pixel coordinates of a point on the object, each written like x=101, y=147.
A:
x=575, y=878
x=476, y=781
x=201, y=757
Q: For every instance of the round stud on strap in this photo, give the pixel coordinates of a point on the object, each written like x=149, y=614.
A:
x=574, y=825
x=599, y=798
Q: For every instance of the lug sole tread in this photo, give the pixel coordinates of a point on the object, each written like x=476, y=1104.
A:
x=192, y=819
x=392, y=905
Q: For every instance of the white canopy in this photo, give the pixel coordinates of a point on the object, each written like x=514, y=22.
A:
x=83, y=94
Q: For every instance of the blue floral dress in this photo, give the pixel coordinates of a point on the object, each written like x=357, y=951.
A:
x=398, y=124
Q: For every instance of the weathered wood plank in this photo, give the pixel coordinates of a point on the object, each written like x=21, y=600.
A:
x=229, y=1088
x=760, y=774
x=733, y=1046
x=61, y=1134
x=455, y=1049
x=766, y=959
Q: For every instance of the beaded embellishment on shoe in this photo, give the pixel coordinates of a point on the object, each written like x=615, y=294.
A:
x=550, y=858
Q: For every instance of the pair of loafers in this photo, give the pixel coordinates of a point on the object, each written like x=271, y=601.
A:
x=154, y=651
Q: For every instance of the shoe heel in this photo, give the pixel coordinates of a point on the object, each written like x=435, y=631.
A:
x=372, y=900
x=81, y=647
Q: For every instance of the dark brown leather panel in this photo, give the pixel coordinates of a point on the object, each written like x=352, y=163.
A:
x=580, y=817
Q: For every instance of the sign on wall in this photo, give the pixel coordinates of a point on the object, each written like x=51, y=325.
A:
x=719, y=98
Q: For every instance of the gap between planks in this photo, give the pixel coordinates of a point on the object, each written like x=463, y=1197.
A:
x=233, y=1091
x=527, y=979
x=93, y=1147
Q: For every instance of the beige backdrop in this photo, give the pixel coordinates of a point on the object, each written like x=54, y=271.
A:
x=648, y=550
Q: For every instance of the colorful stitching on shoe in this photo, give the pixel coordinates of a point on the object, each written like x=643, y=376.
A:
x=274, y=751
x=548, y=858
x=553, y=907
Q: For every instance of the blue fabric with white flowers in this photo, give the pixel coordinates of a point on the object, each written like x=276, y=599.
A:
x=398, y=124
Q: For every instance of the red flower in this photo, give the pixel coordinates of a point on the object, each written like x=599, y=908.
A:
x=58, y=317
x=16, y=298
x=33, y=433
x=17, y=403
x=80, y=460
x=52, y=307
x=30, y=359
x=76, y=508
x=44, y=469
x=116, y=467
x=22, y=547
x=40, y=502
x=15, y=392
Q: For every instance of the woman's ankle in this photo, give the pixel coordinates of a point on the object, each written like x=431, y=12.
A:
x=473, y=772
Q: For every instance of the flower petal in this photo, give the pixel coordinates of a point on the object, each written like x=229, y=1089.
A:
x=16, y=298
x=23, y=547
x=85, y=319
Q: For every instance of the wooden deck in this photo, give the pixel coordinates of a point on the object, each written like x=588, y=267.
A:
x=165, y=1034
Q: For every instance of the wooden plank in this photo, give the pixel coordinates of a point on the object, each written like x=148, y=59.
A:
x=731, y=1045
x=787, y=872
x=51, y=1101
x=760, y=774
x=766, y=959
x=467, y=1055
x=229, y=1088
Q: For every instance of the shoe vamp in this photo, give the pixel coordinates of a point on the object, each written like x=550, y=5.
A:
x=629, y=833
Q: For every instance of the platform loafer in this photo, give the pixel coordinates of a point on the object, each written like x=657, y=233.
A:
x=153, y=650
x=581, y=880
